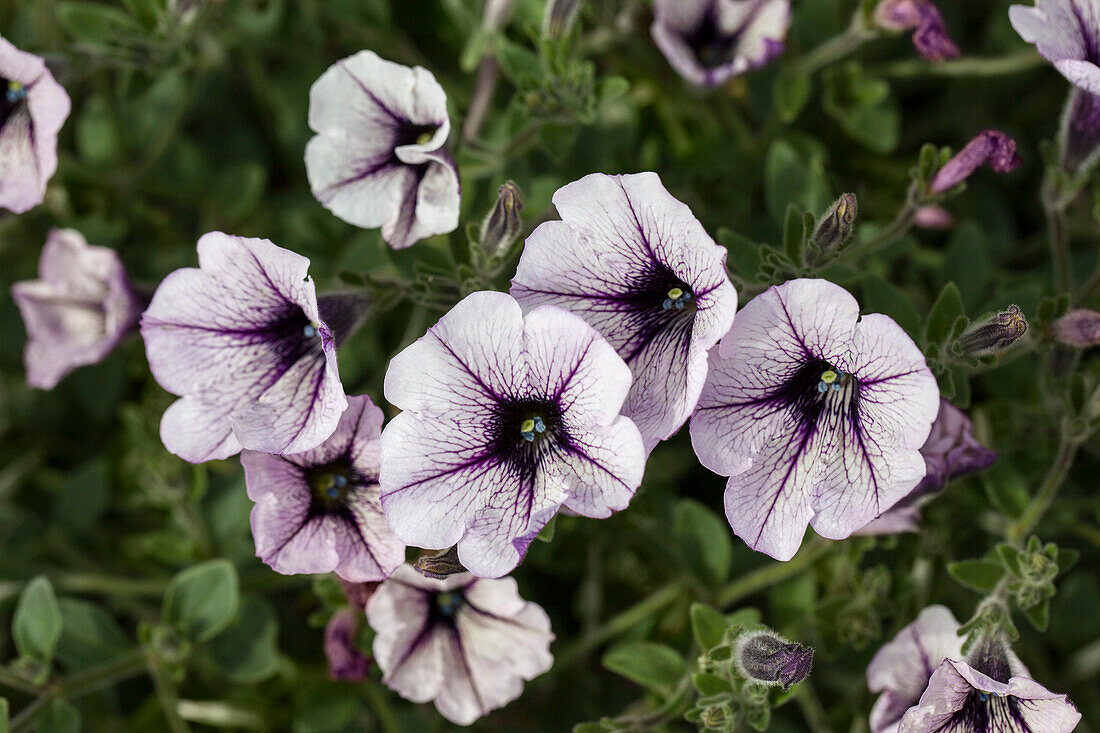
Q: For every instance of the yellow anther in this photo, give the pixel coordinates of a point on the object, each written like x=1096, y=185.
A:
x=527, y=426
x=14, y=86
x=675, y=293
x=829, y=377
x=424, y=139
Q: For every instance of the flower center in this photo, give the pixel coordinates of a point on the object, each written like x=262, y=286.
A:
x=310, y=331
x=832, y=379
x=449, y=603
x=330, y=486
x=15, y=96
x=678, y=298
x=532, y=427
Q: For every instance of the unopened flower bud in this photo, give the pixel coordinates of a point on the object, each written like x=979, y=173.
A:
x=440, y=566
x=503, y=223
x=989, y=147
x=768, y=659
x=933, y=217
x=559, y=17
x=994, y=334
x=835, y=226
x=1080, y=328
x=345, y=661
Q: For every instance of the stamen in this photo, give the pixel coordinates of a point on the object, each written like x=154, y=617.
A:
x=983, y=696
x=333, y=492
x=448, y=603
x=16, y=92
x=424, y=138
x=310, y=331
x=532, y=426
x=677, y=298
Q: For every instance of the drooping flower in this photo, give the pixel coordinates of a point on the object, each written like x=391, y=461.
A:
x=1067, y=34
x=950, y=451
x=709, y=42
x=78, y=310
x=990, y=692
x=319, y=511
x=766, y=658
x=930, y=36
x=345, y=661
x=990, y=147
x=817, y=416
x=506, y=419
x=32, y=110
x=900, y=670
x=639, y=267
x=466, y=643
x=243, y=341
x=379, y=158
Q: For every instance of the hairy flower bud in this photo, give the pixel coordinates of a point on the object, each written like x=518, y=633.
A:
x=994, y=334
x=502, y=225
x=1080, y=328
x=559, y=17
x=440, y=566
x=768, y=659
x=835, y=226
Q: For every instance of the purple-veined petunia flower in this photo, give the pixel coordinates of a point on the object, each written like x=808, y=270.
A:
x=990, y=692
x=379, y=158
x=345, y=661
x=242, y=342
x=506, y=419
x=78, y=310
x=639, y=267
x=817, y=416
x=466, y=643
x=900, y=670
x=319, y=511
x=709, y=42
x=32, y=110
x=1067, y=34
x=950, y=451
x=930, y=36
x=1079, y=138
x=989, y=147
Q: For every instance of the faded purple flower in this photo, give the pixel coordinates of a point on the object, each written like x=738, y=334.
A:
x=318, y=511
x=1079, y=328
x=242, y=341
x=1080, y=133
x=900, y=670
x=78, y=310
x=815, y=414
x=709, y=42
x=1067, y=34
x=345, y=661
x=991, y=692
x=32, y=110
x=990, y=147
x=639, y=267
x=768, y=659
x=930, y=36
x=379, y=158
x=467, y=644
x=506, y=419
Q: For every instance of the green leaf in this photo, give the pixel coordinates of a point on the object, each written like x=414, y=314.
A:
x=60, y=717
x=880, y=296
x=1067, y=558
x=1007, y=491
x=862, y=106
x=704, y=541
x=248, y=651
x=945, y=311
x=1039, y=615
x=36, y=626
x=793, y=176
x=792, y=91
x=744, y=254
x=652, y=665
x=90, y=634
x=202, y=600
x=794, y=234
x=979, y=575
x=97, y=23
x=1010, y=557
x=546, y=534
x=4, y=717
x=708, y=625
x=710, y=684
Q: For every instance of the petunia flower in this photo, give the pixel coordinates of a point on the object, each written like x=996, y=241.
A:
x=379, y=158
x=989, y=147
x=33, y=107
x=900, y=670
x=345, y=661
x=1067, y=34
x=1079, y=138
x=639, y=267
x=506, y=419
x=318, y=511
x=78, y=310
x=930, y=36
x=817, y=416
x=991, y=692
x=1079, y=328
x=709, y=42
x=243, y=342
x=466, y=643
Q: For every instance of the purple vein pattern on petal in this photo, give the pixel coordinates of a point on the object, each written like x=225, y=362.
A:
x=817, y=418
x=624, y=245
x=1067, y=34
x=240, y=340
x=505, y=419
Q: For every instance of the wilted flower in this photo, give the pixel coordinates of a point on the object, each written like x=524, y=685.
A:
x=709, y=42
x=241, y=339
x=506, y=419
x=32, y=110
x=816, y=415
x=345, y=661
x=930, y=36
x=636, y=264
x=900, y=670
x=467, y=644
x=503, y=223
x=1067, y=34
x=78, y=310
x=379, y=157
x=768, y=659
x=318, y=511
x=993, y=334
x=1079, y=328
x=991, y=147
x=933, y=217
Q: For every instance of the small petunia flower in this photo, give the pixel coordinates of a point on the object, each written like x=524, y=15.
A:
x=243, y=341
x=815, y=414
x=345, y=661
x=506, y=418
x=1067, y=34
x=318, y=511
x=379, y=158
x=766, y=658
x=990, y=692
x=638, y=266
x=990, y=147
x=930, y=36
x=900, y=670
x=708, y=42
x=78, y=310
x=33, y=107
x=467, y=644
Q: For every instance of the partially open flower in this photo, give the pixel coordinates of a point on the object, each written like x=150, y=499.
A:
x=930, y=36
x=990, y=147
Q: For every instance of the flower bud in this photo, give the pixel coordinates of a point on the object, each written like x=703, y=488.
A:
x=503, y=223
x=994, y=334
x=835, y=226
x=768, y=659
x=991, y=147
x=440, y=566
x=930, y=36
x=1080, y=328
x=933, y=217
x=559, y=17
x=345, y=661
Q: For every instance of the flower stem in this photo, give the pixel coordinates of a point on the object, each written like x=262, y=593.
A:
x=811, y=707
x=769, y=575
x=837, y=47
x=996, y=66
x=1055, y=208
x=1041, y=502
x=889, y=234
x=380, y=706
